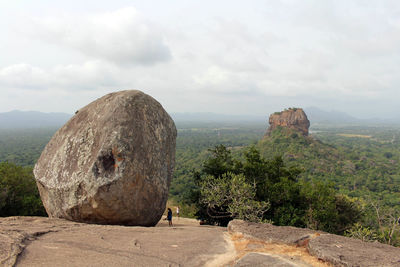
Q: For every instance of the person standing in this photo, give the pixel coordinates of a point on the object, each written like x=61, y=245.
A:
x=169, y=217
x=177, y=211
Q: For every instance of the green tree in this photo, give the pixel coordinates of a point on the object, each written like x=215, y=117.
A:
x=228, y=188
x=361, y=232
x=19, y=195
x=220, y=162
x=386, y=222
x=277, y=184
x=231, y=197
x=215, y=167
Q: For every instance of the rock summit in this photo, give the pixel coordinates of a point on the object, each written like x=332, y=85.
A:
x=292, y=118
x=111, y=163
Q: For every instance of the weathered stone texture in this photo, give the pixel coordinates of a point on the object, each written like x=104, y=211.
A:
x=111, y=163
x=39, y=241
x=334, y=249
x=293, y=119
x=344, y=251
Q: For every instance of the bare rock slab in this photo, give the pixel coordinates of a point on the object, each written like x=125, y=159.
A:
x=344, y=251
x=42, y=241
x=111, y=163
x=273, y=234
x=261, y=260
x=333, y=249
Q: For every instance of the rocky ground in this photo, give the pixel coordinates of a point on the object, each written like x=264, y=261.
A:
x=35, y=241
x=316, y=247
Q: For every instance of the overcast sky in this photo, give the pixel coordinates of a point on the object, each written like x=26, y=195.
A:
x=229, y=57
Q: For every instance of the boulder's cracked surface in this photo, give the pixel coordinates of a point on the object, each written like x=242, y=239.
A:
x=111, y=163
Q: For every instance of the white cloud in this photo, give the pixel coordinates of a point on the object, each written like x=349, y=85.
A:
x=121, y=37
x=92, y=75
x=265, y=55
x=23, y=76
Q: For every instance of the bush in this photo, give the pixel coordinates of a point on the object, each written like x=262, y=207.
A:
x=258, y=189
x=19, y=195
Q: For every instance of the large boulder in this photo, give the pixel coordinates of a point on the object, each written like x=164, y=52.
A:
x=293, y=119
x=111, y=163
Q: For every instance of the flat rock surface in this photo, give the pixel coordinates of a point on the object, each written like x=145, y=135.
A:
x=39, y=241
x=262, y=259
x=332, y=249
x=57, y=242
x=344, y=251
x=270, y=233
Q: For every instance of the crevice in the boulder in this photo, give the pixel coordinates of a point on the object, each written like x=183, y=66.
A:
x=108, y=162
x=105, y=165
x=96, y=170
x=80, y=191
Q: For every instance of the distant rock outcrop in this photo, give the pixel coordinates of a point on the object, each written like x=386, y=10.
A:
x=292, y=118
x=111, y=163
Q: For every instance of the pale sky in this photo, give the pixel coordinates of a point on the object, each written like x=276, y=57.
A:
x=228, y=57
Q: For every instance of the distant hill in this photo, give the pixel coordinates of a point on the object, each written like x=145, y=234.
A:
x=316, y=115
x=32, y=119
x=214, y=117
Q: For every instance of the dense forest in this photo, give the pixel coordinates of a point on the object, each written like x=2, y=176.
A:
x=360, y=163
x=357, y=168
x=23, y=146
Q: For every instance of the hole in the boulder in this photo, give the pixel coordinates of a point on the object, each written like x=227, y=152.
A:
x=80, y=191
x=108, y=162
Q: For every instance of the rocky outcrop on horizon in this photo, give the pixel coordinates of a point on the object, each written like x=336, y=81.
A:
x=111, y=163
x=292, y=119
